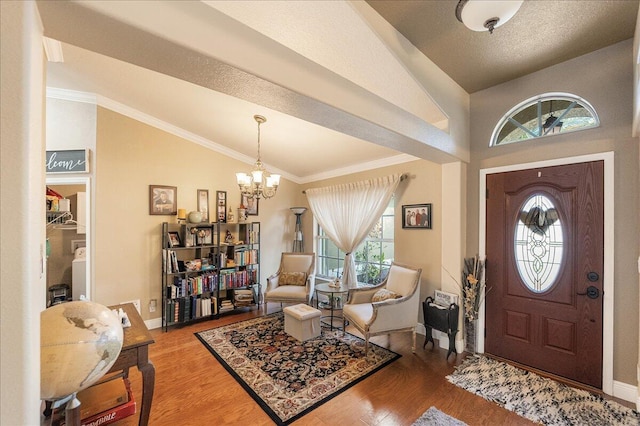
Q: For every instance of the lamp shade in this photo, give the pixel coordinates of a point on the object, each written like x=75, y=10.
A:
x=476, y=14
x=298, y=210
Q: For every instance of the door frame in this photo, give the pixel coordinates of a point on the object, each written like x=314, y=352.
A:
x=86, y=181
x=609, y=256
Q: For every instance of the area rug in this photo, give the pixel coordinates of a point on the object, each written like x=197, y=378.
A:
x=289, y=378
x=435, y=417
x=537, y=398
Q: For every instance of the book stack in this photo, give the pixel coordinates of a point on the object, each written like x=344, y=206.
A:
x=226, y=306
x=104, y=403
x=243, y=297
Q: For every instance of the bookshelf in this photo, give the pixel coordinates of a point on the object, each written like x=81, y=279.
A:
x=240, y=266
x=205, y=274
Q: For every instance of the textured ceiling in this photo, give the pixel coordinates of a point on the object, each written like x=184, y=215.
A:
x=541, y=34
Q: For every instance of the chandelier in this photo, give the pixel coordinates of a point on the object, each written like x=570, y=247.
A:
x=258, y=183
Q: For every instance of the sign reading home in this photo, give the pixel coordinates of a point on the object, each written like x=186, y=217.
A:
x=68, y=161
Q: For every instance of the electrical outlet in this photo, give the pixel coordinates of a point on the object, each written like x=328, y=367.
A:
x=153, y=303
x=135, y=302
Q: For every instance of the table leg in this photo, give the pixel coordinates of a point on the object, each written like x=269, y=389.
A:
x=148, y=382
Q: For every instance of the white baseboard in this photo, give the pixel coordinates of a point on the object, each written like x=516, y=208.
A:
x=626, y=391
x=153, y=323
x=442, y=338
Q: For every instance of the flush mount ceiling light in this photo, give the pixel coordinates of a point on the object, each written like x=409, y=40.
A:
x=259, y=183
x=485, y=15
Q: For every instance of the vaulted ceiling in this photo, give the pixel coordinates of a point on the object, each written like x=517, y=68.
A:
x=203, y=69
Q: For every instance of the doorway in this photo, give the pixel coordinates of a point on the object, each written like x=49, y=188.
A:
x=524, y=323
x=67, y=262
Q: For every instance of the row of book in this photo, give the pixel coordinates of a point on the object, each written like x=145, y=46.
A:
x=192, y=286
x=189, y=308
x=246, y=257
x=235, y=279
x=169, y=261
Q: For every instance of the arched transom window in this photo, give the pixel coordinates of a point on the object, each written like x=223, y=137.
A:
x=544, y=115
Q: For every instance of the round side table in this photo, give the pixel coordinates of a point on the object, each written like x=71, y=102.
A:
x=336, y=296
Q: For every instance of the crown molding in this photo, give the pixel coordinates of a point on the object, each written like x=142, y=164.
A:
x=53, y=49
x=361, y=167
x=103, y=101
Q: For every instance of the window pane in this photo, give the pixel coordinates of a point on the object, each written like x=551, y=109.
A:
x=544, y=115
x=372, y=257
x=538, y=243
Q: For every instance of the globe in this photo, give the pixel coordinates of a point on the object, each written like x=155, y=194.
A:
x=79, y=342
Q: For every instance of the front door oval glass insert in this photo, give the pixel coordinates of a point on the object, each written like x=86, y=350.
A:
x=538, y=243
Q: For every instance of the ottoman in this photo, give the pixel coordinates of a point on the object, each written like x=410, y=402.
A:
x=302, y=321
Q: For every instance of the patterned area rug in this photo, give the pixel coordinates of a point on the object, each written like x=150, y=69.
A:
x=289, y=378
x=435, y=417
x=537, y=398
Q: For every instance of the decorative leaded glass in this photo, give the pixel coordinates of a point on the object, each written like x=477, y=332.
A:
x=538, y=243
x=544, y=115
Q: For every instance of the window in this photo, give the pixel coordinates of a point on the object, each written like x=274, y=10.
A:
x=544, y=115
x=538, y=243
x=373, y=257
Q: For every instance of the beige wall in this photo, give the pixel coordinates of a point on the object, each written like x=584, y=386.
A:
x=417, y=247
x=604, y=78
x=22, y=211
x=130, y=157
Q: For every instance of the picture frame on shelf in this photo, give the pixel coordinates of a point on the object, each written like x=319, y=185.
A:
x=163, y=200
x=174, y=239
x=221, y=206
x=416, y=216
x=250, y=205
x=203, y=204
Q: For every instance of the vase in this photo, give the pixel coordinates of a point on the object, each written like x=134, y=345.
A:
x=470, y=331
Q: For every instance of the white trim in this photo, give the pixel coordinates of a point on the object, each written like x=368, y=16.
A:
x=153, y=323
x=607, y=273
x=53, y=49
x=625, y=391
x=75, y=96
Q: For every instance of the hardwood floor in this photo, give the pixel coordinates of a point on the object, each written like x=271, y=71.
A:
x=192, y=388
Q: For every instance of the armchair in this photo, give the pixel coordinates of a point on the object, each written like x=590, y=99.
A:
x=389, y=306
x=294, y=281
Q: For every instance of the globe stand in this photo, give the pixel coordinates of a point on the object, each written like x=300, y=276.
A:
x=72, y=409
x=298, y=238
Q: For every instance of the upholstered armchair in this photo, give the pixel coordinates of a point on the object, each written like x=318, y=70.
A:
x=294, y=280
x=387, y=307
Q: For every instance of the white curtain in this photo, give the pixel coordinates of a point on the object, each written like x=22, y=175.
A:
x=347, y=213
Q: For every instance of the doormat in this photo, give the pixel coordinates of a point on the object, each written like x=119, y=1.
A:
x=537, y=398
x=435, y=417
x=289, y=378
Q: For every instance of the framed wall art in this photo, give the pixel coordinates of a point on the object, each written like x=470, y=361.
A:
x=416, y=216
x=251, y=205
x=163, y=200
x=221, y=206
x=203, y=204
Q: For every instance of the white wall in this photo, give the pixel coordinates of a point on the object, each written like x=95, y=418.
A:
x=21, y=212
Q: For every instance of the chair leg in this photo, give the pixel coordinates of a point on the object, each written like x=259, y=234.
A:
x=413, y=347
x=366, y=344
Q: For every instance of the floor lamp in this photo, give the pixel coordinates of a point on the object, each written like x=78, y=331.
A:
x=298, y=238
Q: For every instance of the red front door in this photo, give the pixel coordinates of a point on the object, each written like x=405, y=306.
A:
x=544, y=269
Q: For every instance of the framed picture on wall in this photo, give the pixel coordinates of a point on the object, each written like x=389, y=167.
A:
x=416, y=216
x=163, y=200
x=221, y=206
x=203, y=204
x=251, y=205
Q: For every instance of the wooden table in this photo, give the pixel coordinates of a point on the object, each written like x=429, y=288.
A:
x=135, y=352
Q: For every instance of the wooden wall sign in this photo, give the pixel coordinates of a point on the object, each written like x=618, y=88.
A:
x=68, y=161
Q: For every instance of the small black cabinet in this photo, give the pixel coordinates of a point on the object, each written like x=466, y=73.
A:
x=442, y=319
